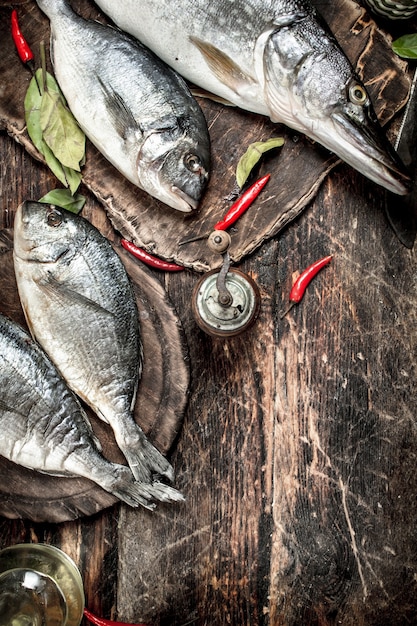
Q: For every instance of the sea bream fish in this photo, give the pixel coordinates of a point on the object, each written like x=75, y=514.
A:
x=134, y=108
x=80, y=306
x=273, y=57
x=44, y=427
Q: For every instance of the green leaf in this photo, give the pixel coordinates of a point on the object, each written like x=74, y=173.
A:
x=63, y=198
x=73, y=178
x=406, y=46
x=253, y=155
x=54, y=165
x=61, y=131
x=32, y=103
x=34, y=99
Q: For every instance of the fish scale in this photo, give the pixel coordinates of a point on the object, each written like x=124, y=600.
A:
x=44, y=427
x=80, y=306
x=276, y=58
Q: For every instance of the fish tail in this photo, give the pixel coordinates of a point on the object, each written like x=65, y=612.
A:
x=145, y=461
x=136, y=493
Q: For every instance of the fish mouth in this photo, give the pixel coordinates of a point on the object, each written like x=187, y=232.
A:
x=183, y=201
x=367, y=150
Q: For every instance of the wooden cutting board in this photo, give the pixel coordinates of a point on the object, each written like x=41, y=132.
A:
x=298, y=169
x=159, y=409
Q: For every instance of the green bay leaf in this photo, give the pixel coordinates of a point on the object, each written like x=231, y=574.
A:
x=253, y=155
x=64, y=198
x=54, y=165
x=39, y=107
x=73, y=178
x=61, y=131
x=32, y=103
x=406, y=46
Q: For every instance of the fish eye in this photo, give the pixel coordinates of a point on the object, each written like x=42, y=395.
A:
x=54, y=217
x=357, y=94
x=193, y=163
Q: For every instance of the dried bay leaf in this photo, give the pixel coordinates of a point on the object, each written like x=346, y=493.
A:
x=61, y=131
x=67, y=175
x=252, y=156
x=32, y=103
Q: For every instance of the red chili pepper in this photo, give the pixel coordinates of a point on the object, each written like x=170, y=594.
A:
x=149, y=259
x=100, y=621
x=22, y=46
x=239, y=207
x=304, y=279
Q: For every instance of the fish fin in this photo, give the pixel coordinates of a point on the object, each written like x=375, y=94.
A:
x=146, y=461
x=143, y=458
x=222, y=66
x=123, y=118
x=160, y=125
x=144, y=494
x=203, y=93
x=60, y=292
x=135, y=493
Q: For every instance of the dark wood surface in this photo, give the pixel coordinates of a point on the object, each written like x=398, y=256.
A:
x=298, y=448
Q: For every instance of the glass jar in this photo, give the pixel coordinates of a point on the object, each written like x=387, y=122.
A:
x=39, y=586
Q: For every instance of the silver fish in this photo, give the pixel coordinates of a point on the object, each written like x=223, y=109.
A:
x=80, y=306
x=273, y=57
x=136, y=110
x=43, y=426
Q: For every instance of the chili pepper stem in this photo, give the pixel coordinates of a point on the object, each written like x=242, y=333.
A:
x=287, y=310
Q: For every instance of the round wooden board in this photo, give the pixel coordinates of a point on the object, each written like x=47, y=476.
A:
x=159, y=408
x=298, y=169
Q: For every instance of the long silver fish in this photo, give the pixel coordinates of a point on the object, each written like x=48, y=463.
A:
x=136, y=110
x=273, y=57
x=43, y=426
x=80, y=306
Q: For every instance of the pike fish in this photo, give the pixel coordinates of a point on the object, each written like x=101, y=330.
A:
x=80, y=306
x=135, y=109
x=44, y=427
x=273, y=57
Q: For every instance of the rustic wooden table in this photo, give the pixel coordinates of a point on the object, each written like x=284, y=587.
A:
x=298, y=448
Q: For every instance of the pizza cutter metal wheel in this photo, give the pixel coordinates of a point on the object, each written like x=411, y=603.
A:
x=225, y=316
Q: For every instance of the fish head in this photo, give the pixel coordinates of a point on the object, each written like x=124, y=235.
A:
x=45, y=233
x=353, y=132
x=330, y=104
x=173, y=166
